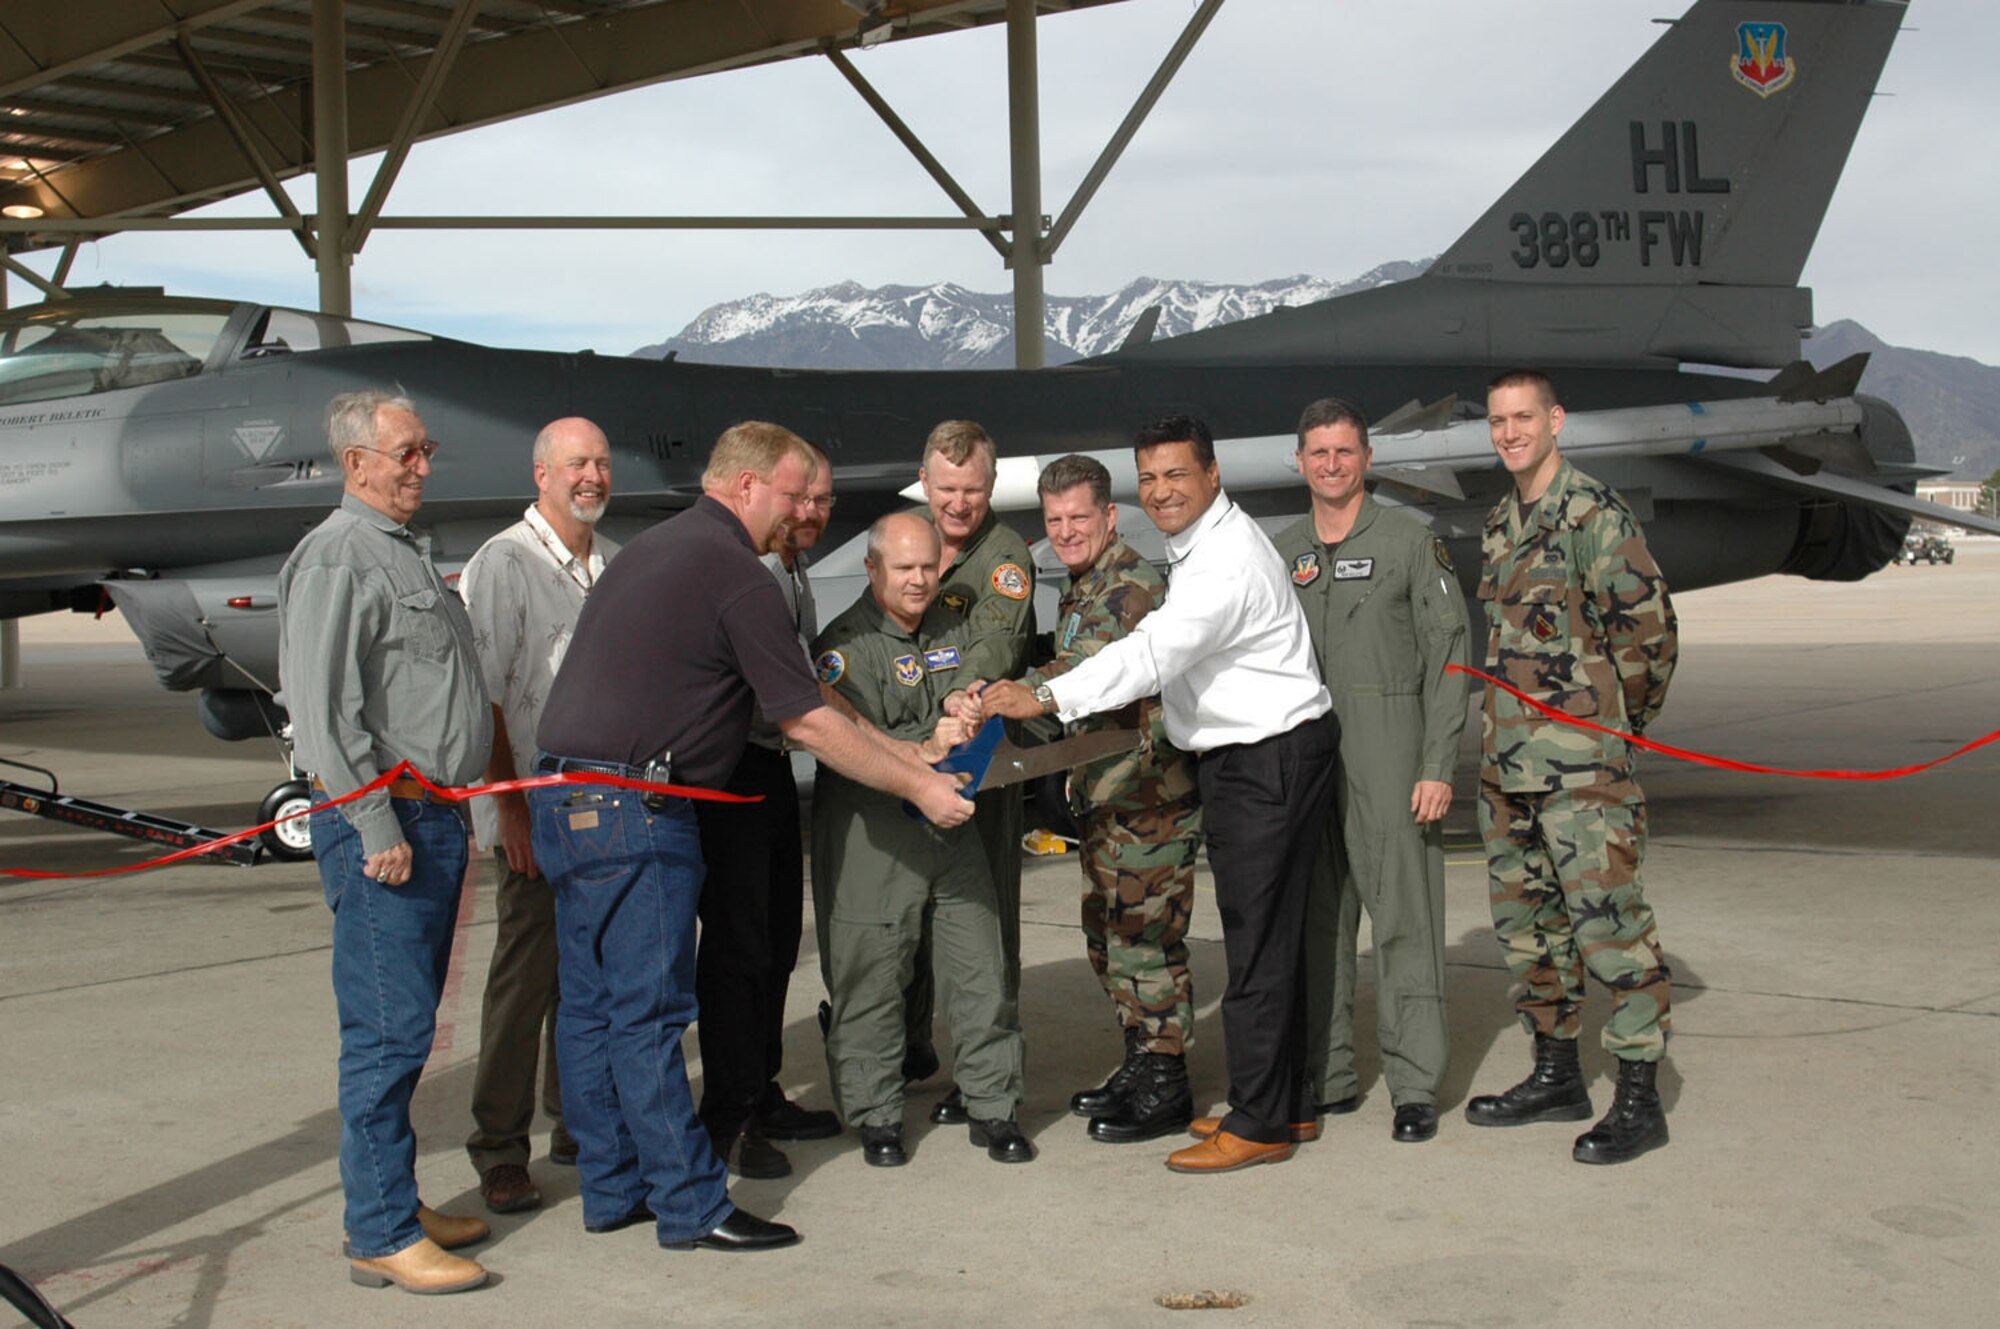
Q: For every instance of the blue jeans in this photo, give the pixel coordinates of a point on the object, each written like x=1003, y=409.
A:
x=391, y=945
x=627, y=881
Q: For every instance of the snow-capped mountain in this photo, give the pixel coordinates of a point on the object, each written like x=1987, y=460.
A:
x=945, y=326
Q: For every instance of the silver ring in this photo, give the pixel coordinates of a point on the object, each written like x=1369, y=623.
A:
x=382, y=877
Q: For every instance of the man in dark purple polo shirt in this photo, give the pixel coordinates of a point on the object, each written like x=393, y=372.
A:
x=685, y=630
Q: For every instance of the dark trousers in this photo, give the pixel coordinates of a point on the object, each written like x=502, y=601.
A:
x=1262, y=807
x=752, y=908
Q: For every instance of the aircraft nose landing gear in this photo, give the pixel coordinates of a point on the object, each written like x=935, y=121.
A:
x=290, y=841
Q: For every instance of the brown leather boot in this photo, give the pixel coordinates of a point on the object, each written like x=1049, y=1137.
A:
x=450, y=1231
x=423, y=1268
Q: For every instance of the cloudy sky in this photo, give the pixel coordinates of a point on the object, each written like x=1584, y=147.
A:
x=1301, y=137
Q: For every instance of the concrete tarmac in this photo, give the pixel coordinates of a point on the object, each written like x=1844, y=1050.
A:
x=167, y=1047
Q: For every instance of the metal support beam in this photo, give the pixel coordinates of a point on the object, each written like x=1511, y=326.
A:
x=422, y=98
x=1197, y=24
x=10, y=653
x=1025, y=154
x=239, y=133
x=329, y=65
x=111, y=225
x=61, y=275
x=909, y=140
x=30, y=276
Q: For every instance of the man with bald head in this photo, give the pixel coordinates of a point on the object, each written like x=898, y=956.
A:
x=878, y=873
x=524, y=589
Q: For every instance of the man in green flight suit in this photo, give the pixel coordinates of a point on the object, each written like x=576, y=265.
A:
x=986, y=578
x=1141, y=821
x=1577, y=618
x=878, y=873
x=1386, y=616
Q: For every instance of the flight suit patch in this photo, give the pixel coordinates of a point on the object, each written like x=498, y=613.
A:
x=957, y=601
x=1543, y=624
x=1305, y=569
x=1443, y=556
x=944, y=657
x=831, y=666
x=909, y=670
x=1353, y=569
x=1010, y=581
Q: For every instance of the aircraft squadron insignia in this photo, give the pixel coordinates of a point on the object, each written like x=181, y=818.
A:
x=1443, y=556
x=831, y=666
x=944, y=657
x=956, y=601
x=1353, y=569
x=1762, y=64
x=1010, y=581
x=909, y=670
x=1305, y=569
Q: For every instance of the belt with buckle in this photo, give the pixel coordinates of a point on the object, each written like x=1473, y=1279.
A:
x=403, y=788
x=657, y=771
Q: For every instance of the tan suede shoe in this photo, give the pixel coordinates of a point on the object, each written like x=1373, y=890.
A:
x=450, y=1231
x=1303, y=1132
x=1223, y=1152
x=423, y=1268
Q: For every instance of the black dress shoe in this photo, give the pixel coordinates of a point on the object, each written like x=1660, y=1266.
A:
x=1340, y=1107
x=920, y=1063
x=786, y=1120
x=758, y=1159
x=740, y=1232
x=1160, y=1103
x=1415, y=1123
x=882, y=1146
x=640, y=1215
x=1002, y=1140
x=950, y=1110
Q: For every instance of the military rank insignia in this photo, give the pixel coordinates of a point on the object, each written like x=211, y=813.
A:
x=956, y=601
x=830, y=667
x=1305, y=569
x=943, y=658
x=1010, y=581
x=909, y=670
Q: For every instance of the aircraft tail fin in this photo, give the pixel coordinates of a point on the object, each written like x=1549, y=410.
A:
x=1711, y=161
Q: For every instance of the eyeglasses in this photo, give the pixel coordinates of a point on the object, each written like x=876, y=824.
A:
x=405, y=457
x=823, y=503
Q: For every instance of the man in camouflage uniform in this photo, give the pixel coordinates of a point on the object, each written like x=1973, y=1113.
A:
x=986, y=578
x=879, y=873
x=1578, y=618
x=1140, y=816
x=1386, y=617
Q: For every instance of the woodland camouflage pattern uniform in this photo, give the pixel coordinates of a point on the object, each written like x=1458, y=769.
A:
x=1140, y=816
x=1578, y=618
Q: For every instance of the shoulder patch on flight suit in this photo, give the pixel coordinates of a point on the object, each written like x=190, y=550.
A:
x=1305, y=569
x=956, y=601
x=1442, y=555
x=909, y=670
x=1010, y=581
x=1353, y=569
x=944, y=657
x=831, y=666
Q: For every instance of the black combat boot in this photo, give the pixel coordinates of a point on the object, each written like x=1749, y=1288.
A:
x=1553, y=1091
x=1110, y=1095
x=1160, y=1103
x=1635, y=1123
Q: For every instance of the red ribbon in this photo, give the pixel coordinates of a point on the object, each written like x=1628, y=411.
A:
x=1725, y=763
x=452, y=794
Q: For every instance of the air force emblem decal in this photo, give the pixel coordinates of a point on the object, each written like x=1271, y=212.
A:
x=1762, y=63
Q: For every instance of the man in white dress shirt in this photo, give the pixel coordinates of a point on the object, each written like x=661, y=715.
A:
x=523, y=590
x=1231, y=657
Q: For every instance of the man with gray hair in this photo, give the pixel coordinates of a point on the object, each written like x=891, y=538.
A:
x=524, y=589
x=376, y=658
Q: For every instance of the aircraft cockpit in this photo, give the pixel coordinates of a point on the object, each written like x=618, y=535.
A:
x=125, y=339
